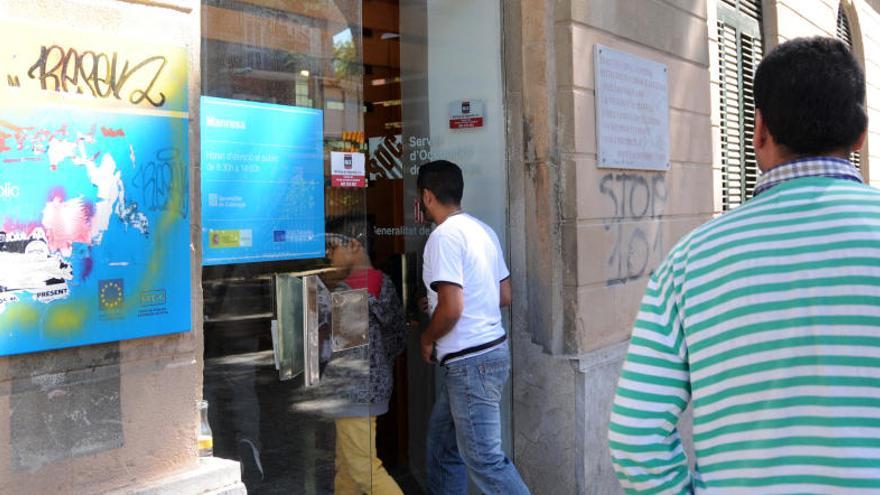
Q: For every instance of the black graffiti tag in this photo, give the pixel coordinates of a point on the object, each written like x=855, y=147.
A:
x=634, y=199
x=100, y=74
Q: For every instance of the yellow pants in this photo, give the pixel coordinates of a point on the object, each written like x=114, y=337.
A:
x=358, y=470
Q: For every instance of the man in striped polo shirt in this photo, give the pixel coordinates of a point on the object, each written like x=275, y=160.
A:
x=767, y=319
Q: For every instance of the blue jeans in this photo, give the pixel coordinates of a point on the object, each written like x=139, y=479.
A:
x=464, y=434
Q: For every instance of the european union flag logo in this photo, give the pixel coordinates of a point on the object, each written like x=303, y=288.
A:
x=111, y=294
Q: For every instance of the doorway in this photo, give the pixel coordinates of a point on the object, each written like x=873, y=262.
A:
x=388, y=85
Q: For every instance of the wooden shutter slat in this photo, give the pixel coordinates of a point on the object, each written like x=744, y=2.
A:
x=844, y=33
x=739, y=51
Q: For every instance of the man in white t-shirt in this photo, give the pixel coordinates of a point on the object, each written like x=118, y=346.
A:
x=468, y=283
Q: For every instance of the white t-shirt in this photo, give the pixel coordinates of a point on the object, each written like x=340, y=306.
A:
x=465, y=251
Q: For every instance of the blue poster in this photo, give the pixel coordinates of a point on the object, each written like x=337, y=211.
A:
x=262, y=182
x=94, y=227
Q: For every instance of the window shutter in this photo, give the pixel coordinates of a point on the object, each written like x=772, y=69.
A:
x=844, y=33
x=740, y=50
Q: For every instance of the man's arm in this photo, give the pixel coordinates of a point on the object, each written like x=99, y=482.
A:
x=506, y=293
x=652, y=393
x=450, y=304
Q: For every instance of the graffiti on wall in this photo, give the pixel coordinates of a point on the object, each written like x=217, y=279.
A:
x=637, y=202
x=99, y=74
x=160, y=178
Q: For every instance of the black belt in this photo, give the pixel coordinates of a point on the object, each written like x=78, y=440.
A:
x=473, y=350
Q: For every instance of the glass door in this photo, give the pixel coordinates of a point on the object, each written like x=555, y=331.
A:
x=316, y=115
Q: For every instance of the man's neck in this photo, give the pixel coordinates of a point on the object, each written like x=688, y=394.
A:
x=782, y=159
x=446, y=212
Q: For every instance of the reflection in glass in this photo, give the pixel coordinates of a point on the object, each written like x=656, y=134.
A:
x=290, y=343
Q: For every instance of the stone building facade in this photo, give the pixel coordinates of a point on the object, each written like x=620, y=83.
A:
x=582, y=240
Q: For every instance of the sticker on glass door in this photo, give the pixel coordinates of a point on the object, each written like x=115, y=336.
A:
x=348, y=169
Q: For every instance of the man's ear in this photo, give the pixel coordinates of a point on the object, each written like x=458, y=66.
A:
x=762, y=135
x=860, y=142
x=428, y=197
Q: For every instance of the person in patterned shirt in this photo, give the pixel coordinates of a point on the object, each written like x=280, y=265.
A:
x=766, y=320
x=362, y=392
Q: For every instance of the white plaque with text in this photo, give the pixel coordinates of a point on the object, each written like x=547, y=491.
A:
x=632, y=111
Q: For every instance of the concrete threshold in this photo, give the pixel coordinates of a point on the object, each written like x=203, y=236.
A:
x=212, y=476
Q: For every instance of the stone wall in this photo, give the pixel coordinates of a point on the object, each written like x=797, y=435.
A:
x=98, y=418
x=619, y=224
x=584, y=239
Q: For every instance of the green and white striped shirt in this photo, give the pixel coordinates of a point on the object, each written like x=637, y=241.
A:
x=767, y=320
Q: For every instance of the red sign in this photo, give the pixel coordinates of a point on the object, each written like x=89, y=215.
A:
x=347, y=170
x=466, y=114
x=348, y=181
x=466, y=123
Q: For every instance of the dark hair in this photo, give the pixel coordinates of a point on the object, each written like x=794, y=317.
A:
x=354, y=227
x=811, y=94
x=444, y=179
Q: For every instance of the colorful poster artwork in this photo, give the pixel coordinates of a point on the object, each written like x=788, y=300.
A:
x=94, y=220
x=262, y=182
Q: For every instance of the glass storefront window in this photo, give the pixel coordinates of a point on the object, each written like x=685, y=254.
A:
x=315, y=117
